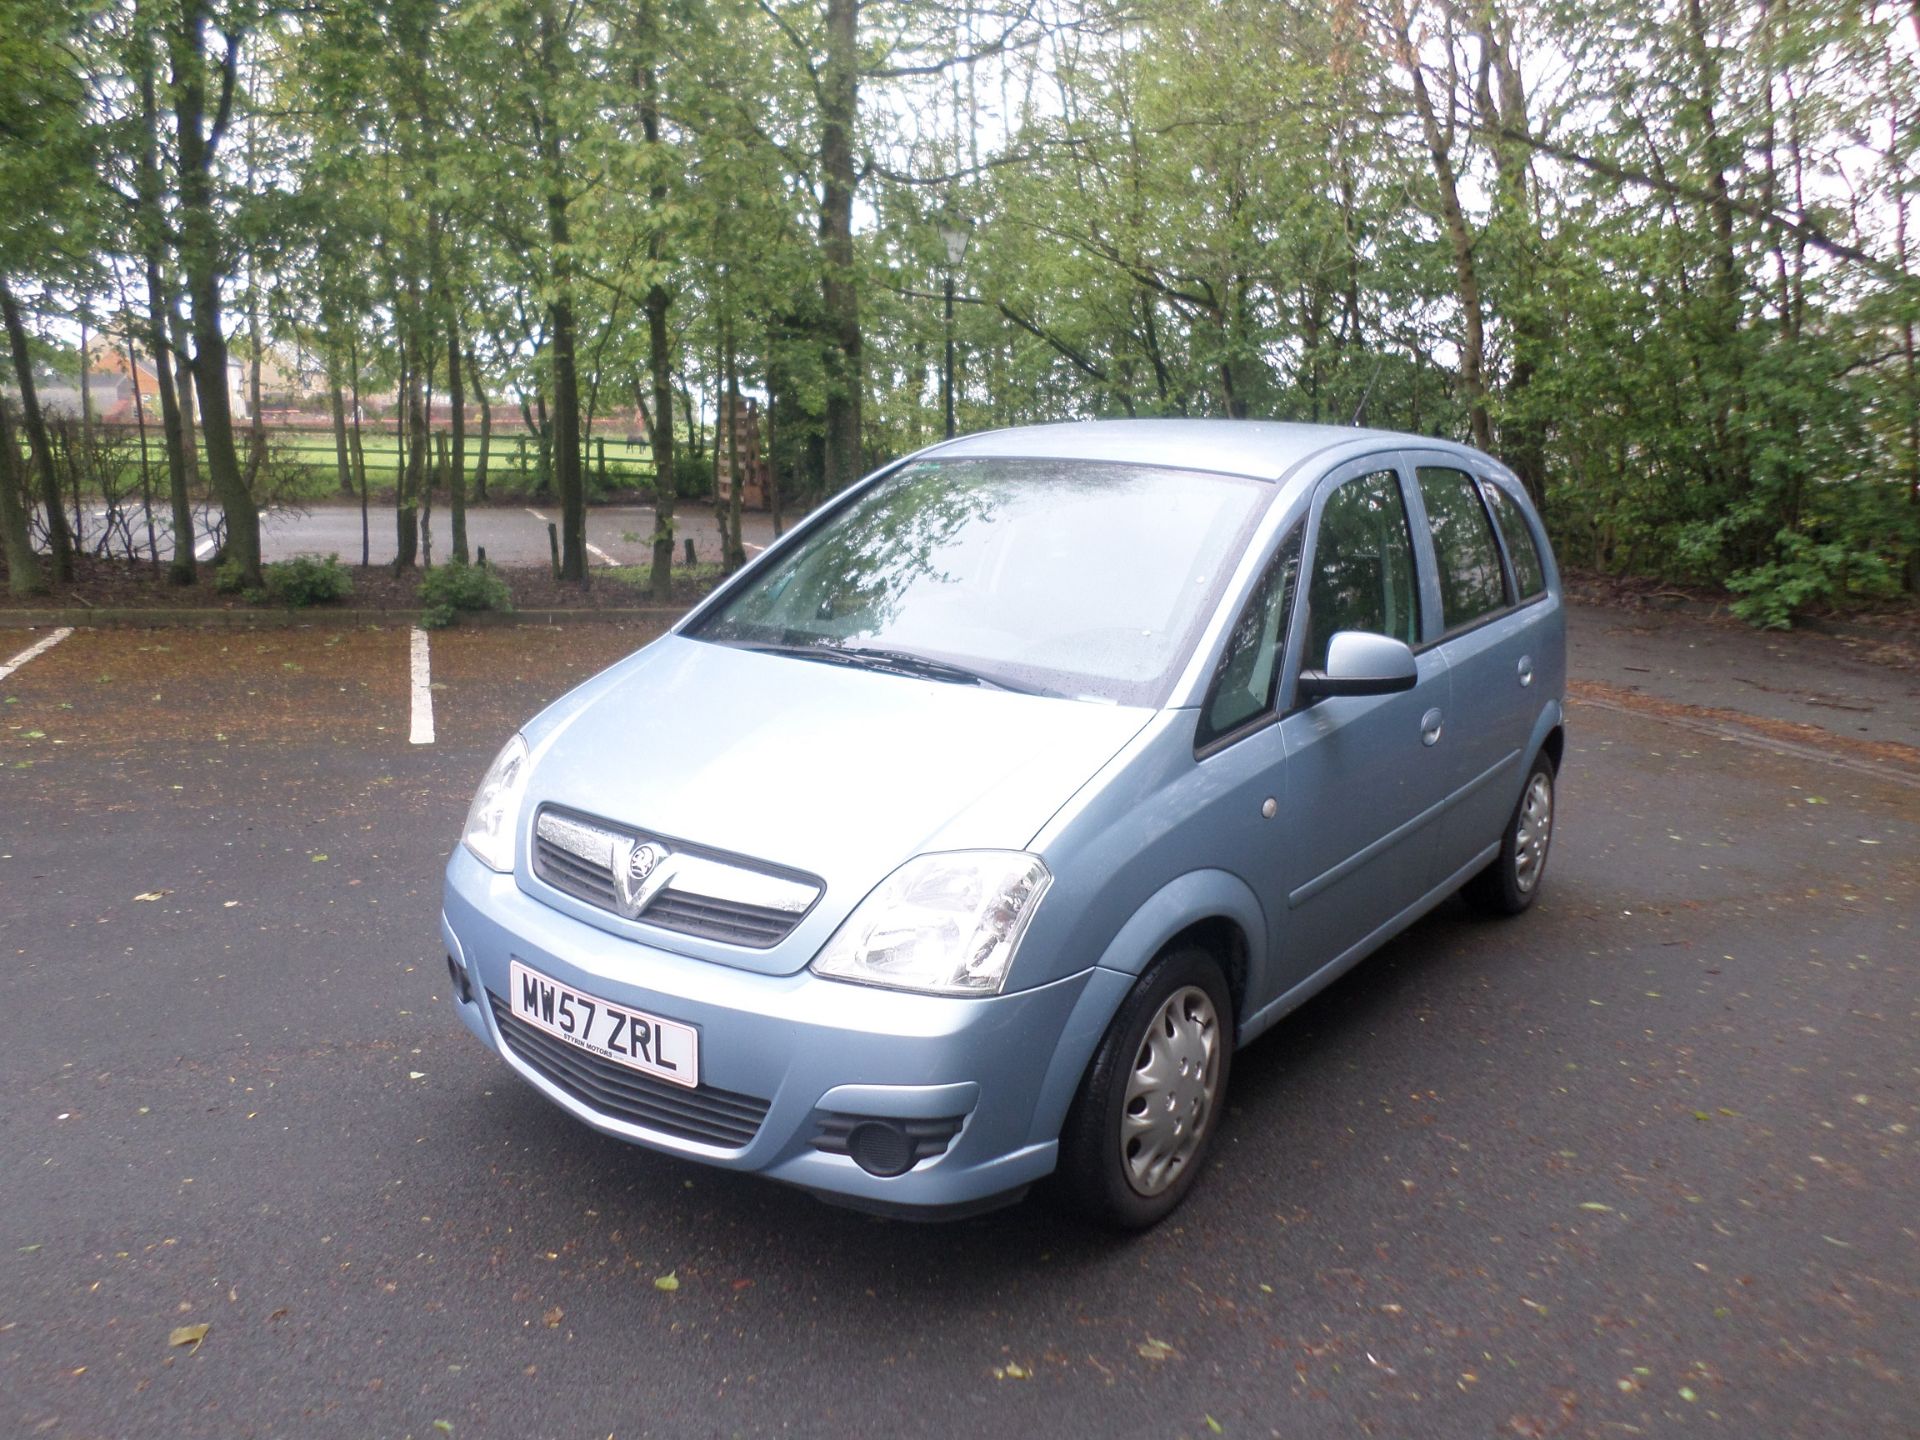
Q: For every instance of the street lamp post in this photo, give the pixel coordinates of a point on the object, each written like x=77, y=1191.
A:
x=954, y=235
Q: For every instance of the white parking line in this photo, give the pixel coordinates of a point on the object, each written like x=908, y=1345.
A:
x=592, y=549
x=38, y=648
x=421, y=664
x=203, y=548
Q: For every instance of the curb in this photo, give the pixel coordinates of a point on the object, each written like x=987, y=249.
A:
x=317, y=617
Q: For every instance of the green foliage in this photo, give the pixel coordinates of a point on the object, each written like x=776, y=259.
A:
x=307, y=580
x=450, y=589
x=1686, y=251
x=230, y=578
x=692, y=475
x=1807, y=573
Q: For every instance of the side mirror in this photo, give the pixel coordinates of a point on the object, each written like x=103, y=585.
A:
x=1359, y=663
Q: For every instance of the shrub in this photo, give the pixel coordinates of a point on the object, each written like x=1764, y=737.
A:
x=307, y=580
x=692, y=475
x=448, y=589
x=229, y=578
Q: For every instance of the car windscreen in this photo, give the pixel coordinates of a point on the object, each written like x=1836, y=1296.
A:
x=1063, y=577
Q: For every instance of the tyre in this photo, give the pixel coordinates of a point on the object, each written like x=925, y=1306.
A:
x=1153, y=1095
x=1512, y=882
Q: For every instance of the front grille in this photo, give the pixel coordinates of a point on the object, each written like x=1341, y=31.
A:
x=566, y=871
x=728, y=920
x=696, y=891
x=708, y=1115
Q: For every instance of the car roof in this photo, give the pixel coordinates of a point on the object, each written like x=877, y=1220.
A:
x=1264, y=449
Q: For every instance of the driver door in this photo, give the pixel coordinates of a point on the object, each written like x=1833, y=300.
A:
x=1366, y=782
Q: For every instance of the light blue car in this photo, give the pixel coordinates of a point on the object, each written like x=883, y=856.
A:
x=964, y=835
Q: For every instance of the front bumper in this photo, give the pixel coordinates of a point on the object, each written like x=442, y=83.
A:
x=815, y=1051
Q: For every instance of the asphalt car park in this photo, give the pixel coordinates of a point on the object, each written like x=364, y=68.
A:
x=1640, y=1162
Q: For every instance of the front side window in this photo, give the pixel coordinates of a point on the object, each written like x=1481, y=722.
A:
x=1525, y=555
x=1363, y=577
x=1075, y=578
x=1472, y=584
x=1243, y=686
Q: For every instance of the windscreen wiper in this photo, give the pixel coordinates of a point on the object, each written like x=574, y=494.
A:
x=925, y=667
x=893, y=662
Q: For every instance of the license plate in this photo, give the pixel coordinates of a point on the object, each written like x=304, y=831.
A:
x=664, y=1049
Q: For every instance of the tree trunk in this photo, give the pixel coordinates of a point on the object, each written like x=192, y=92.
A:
x=342, y=461
x=181, y=569
x=1466, y=274
x=200, y=259
x=60, y=537
x=359, y=451
x=169, y=380
x=660, y=421
x=16, y=538
x=140, y=424
x=457, y=450
x=486, y=426
x=1523, y=440
x=256, y=421
x=86, y=394
x=839, y=89
x=736, y=555
x=411, y=472
x=183, y=393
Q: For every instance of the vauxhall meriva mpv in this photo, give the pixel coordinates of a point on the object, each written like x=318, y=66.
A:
x=962, y=837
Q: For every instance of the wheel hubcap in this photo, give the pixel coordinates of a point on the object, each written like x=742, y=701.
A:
x=1170, y=1095
x=1530, y=837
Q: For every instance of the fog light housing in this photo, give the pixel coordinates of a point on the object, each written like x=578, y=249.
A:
x=462, y=986
x=880, y=1148
x=883, y=1146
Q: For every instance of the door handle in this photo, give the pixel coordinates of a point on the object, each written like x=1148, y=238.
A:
x=1430, y=727
x=1526, y=671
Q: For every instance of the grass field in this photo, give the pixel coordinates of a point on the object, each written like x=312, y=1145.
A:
x=305, y=468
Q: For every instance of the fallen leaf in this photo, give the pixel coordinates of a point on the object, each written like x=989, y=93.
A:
x=1596, y=1205
x=189, y=1334
x=1213, y=1425
x=1012, y=1371
x=1152, y=1349
x=416, y=1074
x=669, y=1282
x=553, y=1317
x=153, y=894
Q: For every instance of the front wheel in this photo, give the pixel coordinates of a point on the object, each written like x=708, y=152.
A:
x=1152, y=1098
x=1512, y=882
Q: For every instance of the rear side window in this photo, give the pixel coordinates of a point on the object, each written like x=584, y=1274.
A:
x=1363, y=576
x=1472, y=583
x=1528, y=573
x=1243, y=686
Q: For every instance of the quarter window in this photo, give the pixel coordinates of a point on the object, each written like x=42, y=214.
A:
x=1363, y=576
x=1472, y=584
x=1528, y=573
x=1243, y=685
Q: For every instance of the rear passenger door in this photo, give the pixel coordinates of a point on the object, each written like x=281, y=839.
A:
x=1488, y=637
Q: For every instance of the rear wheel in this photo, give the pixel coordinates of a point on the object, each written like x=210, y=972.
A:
x=1512, y=882
x=1147, y=1110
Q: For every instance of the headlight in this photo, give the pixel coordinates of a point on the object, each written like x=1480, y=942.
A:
x=494, y=815
x=942, y=924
